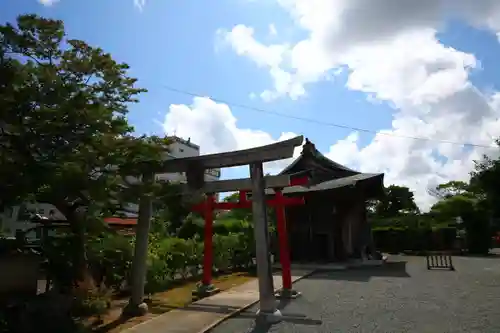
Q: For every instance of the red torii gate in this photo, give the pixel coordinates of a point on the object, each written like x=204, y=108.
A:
x=279, y=202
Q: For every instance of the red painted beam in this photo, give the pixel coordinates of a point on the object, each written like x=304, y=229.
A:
x=201, y=207
x=302, y=181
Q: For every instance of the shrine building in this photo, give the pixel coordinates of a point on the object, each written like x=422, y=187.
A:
x=332, y=224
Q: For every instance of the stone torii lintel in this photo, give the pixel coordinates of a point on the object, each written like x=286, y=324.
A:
x=275, y=151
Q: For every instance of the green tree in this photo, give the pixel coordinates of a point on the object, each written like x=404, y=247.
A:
x=459, y=199
x=485, y=181
x=63, y=107
x=450, y=189
x=398, y=200
x=171, y=208
x=238, y=213
x=449, y=208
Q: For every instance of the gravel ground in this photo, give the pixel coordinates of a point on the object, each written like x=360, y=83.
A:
x=402, y=296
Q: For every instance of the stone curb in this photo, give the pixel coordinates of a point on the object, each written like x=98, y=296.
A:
x=211, y=326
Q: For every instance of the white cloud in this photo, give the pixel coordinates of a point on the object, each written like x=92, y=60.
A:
x=272, y=30
x=213, y=126
x=272, y=57
x=241, y=38
x=137, y=3
x=140, y=4
x=390, y=51
x=48, y=2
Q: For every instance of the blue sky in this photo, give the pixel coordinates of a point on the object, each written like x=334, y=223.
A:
x=173, y=43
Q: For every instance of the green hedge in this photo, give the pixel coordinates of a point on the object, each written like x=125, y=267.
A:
x=170, y=258
x=193, y=227
x=176, y=258
x=396, y=240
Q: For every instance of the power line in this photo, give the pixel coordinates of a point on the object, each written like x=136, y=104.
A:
x=322, y=123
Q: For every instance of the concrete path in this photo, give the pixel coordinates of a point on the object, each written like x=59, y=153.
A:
x=204, y=314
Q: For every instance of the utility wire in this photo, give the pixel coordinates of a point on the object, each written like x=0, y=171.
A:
x=322, y=123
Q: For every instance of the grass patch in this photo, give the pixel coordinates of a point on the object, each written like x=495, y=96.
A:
x=161, y=302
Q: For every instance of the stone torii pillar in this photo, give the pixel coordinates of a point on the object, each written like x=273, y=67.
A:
x=267, y=299
x=136, y=305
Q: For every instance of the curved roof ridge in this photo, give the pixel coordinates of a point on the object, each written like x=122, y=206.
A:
x=309, y=150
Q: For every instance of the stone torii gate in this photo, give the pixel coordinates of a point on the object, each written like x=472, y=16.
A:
x=195, y=168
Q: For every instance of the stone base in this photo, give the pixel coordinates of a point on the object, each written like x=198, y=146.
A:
x=287, y=294
x=138, y=310
x=204, y=290
x=270, y=317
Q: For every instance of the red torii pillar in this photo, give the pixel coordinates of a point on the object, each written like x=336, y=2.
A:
x=286, y=275
x=279, y=203
x=207, y=208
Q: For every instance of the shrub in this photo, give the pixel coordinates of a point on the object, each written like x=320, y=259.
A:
x=173, y=258
x=396, y=240
x=174, y=252
x=110, y=258
x=244, y=250
x=478, y=232
x=228, y=226
x=191, y=228
x=158, y=277
x=93, y=302
x=194, y=256
x=224, y=249
x=59, y=252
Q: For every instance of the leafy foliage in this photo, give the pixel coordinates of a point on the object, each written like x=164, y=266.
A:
x=398, y=200
x=65, y=139
x=110, y=257
x=109, y=254
x=450, y=189
x=177, y=258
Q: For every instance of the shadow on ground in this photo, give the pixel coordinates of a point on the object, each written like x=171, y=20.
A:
x=364, y=274
x=260, y=326
x=109, y=326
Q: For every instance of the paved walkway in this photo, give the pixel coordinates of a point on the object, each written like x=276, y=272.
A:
x=202, y=315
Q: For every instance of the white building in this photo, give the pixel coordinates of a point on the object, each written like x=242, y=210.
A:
x=17, y=217
x=185, y=148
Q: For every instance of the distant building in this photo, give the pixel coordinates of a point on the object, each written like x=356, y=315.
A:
x=185, y=148
x=17, y=217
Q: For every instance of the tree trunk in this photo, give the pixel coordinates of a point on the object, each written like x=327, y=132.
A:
x=76, y=220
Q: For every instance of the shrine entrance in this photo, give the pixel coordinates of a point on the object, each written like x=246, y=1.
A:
x=279, y=202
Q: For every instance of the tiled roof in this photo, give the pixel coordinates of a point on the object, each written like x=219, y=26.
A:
x=112, y=221
x=332, y=184
x=309, y=152
x=121, y=221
